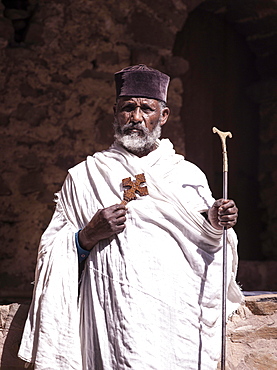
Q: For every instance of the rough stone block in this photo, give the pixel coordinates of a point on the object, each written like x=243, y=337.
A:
x=12, y=319
x=251, y=335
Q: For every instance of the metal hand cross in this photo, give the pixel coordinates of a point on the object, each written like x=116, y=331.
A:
x=134, y=186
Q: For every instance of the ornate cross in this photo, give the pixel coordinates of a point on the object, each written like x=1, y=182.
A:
x=134, y=187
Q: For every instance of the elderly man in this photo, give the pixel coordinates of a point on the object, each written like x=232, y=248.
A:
x=149, y=293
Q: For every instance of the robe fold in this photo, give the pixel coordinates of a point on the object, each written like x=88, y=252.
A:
x=149, y=297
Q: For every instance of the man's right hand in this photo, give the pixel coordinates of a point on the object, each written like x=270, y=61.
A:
x=105, y=223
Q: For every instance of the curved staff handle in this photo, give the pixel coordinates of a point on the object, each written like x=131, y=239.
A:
x=223, y=136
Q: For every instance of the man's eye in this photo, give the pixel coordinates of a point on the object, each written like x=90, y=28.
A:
x=131, y=108
x=146, y=108
x=127, y=108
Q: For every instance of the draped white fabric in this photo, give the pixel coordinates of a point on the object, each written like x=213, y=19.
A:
x=150, y=297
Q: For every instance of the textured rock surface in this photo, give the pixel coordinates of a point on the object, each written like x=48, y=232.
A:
x=12, y=319
x=251, y=335
x=57, y=95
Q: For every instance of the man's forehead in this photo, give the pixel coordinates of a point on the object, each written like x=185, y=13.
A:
x=137, y=100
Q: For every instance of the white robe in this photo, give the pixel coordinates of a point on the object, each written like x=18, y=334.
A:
x=150, y=297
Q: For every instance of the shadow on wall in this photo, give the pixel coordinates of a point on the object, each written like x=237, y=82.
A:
x=222, y=69
x=12, y=320
x=257, y=275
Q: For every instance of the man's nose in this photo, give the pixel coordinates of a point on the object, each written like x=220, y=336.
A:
x=137, y=115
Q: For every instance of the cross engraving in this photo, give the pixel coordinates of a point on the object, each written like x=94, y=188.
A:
x=134, y=187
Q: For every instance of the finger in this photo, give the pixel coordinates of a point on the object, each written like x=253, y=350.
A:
x=120, y=213
x=218, y=203
x=223, y=202
x=228, y=211
x=119, y=228
x=113, y=212
x=120, y=220
x=114, y=207
x=227, y=203
x=227, y=225
x=227, y=218
x=227, y=221
x=116, y=221
x=119, y=208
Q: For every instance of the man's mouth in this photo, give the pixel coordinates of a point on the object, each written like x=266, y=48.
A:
x=133, y=130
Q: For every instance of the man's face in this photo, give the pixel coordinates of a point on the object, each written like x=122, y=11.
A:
x=138, y=123
x=138, y=111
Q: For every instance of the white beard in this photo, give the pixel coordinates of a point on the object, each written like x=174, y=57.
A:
x=139, y=143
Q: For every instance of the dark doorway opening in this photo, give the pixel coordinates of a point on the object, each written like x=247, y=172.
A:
x=222, y=70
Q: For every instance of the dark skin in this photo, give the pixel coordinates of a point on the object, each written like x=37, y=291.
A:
x=223, y=213
x=137, y=111
x=110, y=221
x=106, y=223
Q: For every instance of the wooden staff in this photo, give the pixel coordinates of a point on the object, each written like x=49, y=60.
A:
x=223, y=136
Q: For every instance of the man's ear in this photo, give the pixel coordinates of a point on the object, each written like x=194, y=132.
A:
x=165, y=115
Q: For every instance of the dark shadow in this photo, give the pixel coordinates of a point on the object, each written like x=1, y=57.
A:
x=216, y=93
x=207, y=259
x=200, y=318
x=20, y=13
x=196, y=188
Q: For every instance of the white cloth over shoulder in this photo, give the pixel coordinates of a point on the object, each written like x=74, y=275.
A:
x=150, y=297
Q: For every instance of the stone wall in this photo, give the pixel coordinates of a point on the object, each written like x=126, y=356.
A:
x=57, y=95
x=56, y=78
x=251, y=335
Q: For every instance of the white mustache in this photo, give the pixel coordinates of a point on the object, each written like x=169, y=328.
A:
x=137, y=126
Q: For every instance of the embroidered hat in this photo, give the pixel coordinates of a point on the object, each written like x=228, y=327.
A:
x=141, y=81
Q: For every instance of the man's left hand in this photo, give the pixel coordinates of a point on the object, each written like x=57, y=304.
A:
x=223, y=213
